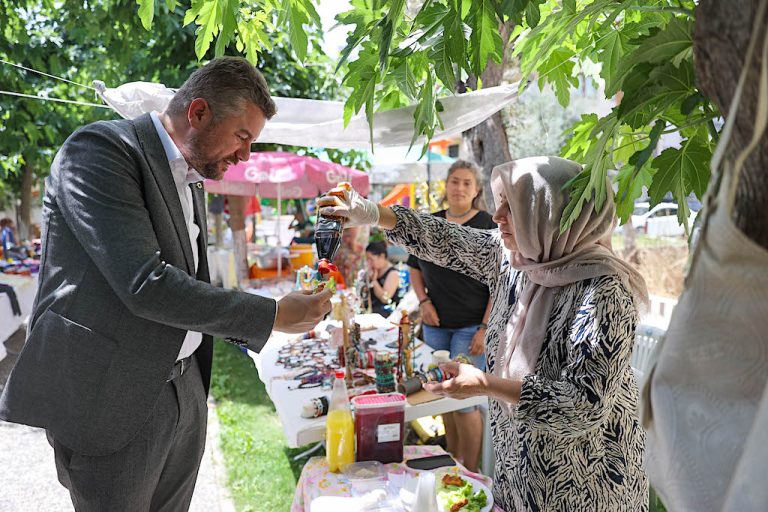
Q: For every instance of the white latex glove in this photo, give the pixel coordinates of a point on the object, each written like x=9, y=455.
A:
x=343, y=201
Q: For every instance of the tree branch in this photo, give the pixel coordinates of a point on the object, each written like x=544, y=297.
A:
x=670, y=9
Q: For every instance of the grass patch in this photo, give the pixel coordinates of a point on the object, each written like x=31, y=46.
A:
x=261, y=472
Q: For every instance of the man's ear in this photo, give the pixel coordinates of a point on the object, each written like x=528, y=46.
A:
x=199, y=113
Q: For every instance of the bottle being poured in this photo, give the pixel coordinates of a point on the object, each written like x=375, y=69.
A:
x=328, y=239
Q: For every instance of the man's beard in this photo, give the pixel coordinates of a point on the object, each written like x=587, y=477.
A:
x=198, y=159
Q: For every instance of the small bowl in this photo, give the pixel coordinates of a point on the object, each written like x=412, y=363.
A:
x=365, y=476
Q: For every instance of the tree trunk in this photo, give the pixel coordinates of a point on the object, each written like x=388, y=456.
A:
x=486, y=144
x=721, y=36
x=25, y=208
x=630, y=242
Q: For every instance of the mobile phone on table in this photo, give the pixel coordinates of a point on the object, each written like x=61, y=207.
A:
x=433, y=462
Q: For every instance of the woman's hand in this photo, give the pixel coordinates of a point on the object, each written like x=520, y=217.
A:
x=465, y=381
x=429, y=314
x=344, y=201
x=477, y=346
x=373, y=275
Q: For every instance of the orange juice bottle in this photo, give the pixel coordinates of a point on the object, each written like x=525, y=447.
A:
x=339, y=427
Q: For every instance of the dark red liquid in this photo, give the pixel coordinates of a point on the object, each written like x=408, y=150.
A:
x=328, y=243
x=374, y=443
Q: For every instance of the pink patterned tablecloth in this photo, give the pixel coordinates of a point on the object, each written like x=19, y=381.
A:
x=316, y=480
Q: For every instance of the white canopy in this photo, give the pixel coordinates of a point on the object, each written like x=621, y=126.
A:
x=320, y=123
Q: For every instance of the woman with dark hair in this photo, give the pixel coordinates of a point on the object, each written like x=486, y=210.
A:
x=455, y=307
x=383, y=279
x=563, y=397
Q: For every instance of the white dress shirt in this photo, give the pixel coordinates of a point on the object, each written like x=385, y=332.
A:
x=183, y=176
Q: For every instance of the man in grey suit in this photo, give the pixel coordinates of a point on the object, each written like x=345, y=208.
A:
x=117, y=361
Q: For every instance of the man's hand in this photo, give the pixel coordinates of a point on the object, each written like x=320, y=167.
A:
x=477, y=346
x=429, y=314
x=300, y=312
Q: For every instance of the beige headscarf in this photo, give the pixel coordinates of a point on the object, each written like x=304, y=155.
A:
x=534, y=190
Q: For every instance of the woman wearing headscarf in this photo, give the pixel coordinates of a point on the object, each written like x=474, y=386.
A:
x=563, y=405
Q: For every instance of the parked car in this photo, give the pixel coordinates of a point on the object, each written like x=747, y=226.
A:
x=661, y=220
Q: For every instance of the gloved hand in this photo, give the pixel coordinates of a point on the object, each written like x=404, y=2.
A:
x=343, y=201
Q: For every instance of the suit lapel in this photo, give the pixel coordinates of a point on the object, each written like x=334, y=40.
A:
x=158, y=163
x=198, y=200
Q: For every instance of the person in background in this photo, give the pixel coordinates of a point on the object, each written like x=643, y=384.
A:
x=563, y=396
x=350, y=258
x=7, y=235
x=455, y=307
x=383, y=279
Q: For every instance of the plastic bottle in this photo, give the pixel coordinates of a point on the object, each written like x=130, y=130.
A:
x=339, y=427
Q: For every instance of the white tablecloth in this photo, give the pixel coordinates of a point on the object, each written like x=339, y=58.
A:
x=25, y=288
x=288, y=403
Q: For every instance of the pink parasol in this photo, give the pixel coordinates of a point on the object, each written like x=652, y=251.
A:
x=285, y=176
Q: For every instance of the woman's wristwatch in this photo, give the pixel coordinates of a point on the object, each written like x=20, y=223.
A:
x=424, y=301
x=482, y=325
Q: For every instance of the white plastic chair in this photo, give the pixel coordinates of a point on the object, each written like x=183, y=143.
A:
x=646, y=339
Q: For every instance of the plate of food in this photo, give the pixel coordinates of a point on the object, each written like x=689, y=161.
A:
x=459, y=493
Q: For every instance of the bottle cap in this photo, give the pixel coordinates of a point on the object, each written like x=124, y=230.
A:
x=340, y=373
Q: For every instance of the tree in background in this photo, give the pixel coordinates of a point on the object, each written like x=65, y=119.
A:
x=82, y=41
x=399, y=53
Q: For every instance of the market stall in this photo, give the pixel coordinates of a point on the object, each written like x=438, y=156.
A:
x=320, y=490
x=290, y=397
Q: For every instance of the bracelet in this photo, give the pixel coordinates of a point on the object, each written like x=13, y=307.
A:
x=424, y=301
x=482, y=325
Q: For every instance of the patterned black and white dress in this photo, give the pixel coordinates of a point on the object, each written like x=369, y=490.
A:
x=574, y=442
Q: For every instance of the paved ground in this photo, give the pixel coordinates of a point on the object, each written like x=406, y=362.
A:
x=28, y=475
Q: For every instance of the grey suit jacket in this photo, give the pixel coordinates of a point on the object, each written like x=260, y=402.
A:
x=117, y=292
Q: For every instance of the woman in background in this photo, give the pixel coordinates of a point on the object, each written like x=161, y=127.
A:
x=383, y=279
x=455, y=307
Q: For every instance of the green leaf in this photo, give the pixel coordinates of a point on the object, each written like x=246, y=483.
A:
x=651, y=90
x=455, y=37
x=485, y=41
x=229, y=24
x=611, y=49
x=640, y=158
x=631, y=182
x=424, y=114
x=580, y=139
x=558, y=70
x=405, y=79
x=443, y=65
x=597, y=164
x=146, y=12
x=208, y=19
x=532, y=14
x=681, y=171
x=171, y=4
x=671, y=43
x=569, y=6
x=388, y=25
x=384, y=42
x=296, y=33
x=691, y=102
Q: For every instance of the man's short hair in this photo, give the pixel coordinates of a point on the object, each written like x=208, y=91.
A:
x=226, y=83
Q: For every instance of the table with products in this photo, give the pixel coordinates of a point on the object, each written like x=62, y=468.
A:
x=15, y=309
x=319, y=490
x=289, y=398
